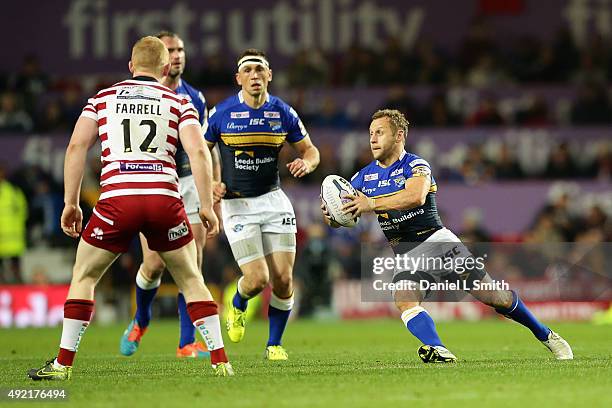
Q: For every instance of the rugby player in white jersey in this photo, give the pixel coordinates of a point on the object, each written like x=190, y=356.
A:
x=250, y=128
x=399, y=187
x=139, y=123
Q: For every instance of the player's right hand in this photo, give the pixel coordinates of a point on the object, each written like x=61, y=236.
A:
x=72, y=220
x=210, y=222
x=219, y=191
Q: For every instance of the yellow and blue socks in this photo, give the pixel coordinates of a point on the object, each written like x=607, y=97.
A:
x=520, y=314
x=145, y=293
x=278, y=315
x=421, y=325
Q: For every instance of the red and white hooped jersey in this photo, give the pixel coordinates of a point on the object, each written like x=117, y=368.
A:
x=139, y=121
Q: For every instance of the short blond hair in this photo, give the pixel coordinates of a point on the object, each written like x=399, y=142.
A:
x=150, y=54
x=396, y=118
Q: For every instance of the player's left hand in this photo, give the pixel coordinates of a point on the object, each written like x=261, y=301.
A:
x=298, y=168
x=358, y=205
x=72, y=220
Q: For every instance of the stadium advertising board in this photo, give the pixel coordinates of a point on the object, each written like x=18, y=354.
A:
x=95, y=35
x=32, y=305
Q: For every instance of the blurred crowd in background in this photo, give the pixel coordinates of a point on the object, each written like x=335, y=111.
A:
x=34, y=102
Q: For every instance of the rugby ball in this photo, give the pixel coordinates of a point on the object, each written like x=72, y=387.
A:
x=333, y=193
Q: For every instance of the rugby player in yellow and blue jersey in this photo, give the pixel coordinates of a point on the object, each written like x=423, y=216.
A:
x=398, y=186
x=250, y=129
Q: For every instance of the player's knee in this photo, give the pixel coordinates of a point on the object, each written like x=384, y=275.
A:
x=402, y=306
x=153, y=268
x=494, y=298
x=283, y=284
x=257, y=280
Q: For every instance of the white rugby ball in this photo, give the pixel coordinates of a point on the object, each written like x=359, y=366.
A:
x=333, y=192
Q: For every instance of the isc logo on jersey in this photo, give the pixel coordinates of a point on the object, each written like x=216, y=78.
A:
x=384, y=183
x=177, y=232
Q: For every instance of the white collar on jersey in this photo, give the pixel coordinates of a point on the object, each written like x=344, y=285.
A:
x=402, y=155
x=241, y=98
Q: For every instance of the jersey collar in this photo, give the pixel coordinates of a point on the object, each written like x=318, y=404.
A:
x=144, y=78
x=402, y=155
x=241, y=98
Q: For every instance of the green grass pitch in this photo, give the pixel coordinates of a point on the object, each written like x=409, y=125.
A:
x=354, y=364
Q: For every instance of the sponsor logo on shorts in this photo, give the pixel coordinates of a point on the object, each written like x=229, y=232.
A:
x=370, y=177
x=289, y=221
x=239, y=115
x=97, y=233
x=177, y=232
x=238, y=228
x=125, y=167
x=271, y=115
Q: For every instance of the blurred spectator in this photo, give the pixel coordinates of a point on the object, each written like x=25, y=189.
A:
x=487, y=114
x=309, y=68
x=476, y=168
x=566, y=55
x=360, y=67
x=215, y=73
x=485, y=74
x=331, y=115
x=431, y=67
x=72, y=103
x=506, y=165
x=592, y=106
x=12, y=117
x=534, y=114
x=52, y=119
x=477, y=42
x=39, y=276
x=437, y=113
x=13, y=215
x=473, y=229
x=398, y=98
x=561, y=164
x=601, y=168
x=314, y=270
x=588, y=72
x=544, y=230
x=32, y=82
x=395, y=68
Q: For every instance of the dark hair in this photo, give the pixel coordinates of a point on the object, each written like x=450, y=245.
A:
x=252, y=52
x=166, y=33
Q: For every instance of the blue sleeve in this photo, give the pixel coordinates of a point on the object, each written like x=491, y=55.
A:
x=295, y=128
x=417, y=167
x=212, y=133
x=357, y=181
x=201, y=107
